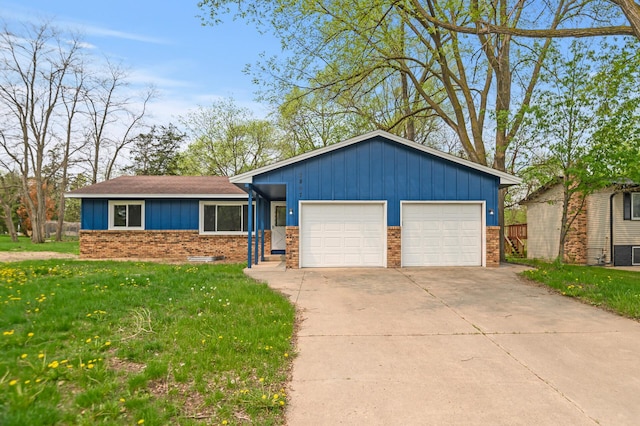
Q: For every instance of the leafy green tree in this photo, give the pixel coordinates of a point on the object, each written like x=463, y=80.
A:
x=156, y=153
x=401, y=55
x=587, y=121
x=616, y=138
x=227, y=141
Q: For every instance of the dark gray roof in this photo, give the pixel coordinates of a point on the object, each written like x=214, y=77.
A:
x=160, y=186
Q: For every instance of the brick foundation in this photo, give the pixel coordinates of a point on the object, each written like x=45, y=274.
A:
x=394, y=247
x=171, y=245
x=293, y=247
x=493, y=246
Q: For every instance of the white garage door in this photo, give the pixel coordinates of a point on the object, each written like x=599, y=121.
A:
x=342, y=234
x=441, y=234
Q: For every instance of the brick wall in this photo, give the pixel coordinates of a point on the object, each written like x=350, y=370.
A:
x=575, y=244
x=293, y=247
x=267, y=242
x=173, y=245
x=394, y=247
x=493, y=246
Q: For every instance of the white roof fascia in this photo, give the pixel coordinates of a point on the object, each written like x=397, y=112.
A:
x=121, y=196
x=505, y=178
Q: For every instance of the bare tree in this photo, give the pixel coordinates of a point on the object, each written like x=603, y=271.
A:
x=33, y=70
x=9, y=194
x=115, y=119
x=72, y=97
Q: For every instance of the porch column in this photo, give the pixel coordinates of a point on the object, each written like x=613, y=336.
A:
x=261, y=213
x=258, y=220
x=250, y=224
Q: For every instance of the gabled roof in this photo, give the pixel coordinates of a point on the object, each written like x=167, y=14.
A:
x=161, y=187
x=506, y=179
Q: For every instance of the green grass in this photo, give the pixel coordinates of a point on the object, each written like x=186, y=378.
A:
x=612, y=289
x=121, y=342
x=25, y=244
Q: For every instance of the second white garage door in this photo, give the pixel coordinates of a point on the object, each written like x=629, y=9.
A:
x=442, y=234
x=342, y=234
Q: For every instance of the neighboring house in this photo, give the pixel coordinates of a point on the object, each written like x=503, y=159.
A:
x=376, y=200
x=609, y=223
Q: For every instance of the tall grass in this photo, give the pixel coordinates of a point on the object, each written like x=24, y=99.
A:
x=126, y=343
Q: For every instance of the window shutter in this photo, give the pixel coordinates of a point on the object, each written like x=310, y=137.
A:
x=626, y=201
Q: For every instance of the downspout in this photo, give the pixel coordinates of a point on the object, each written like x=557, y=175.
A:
x=611, y=228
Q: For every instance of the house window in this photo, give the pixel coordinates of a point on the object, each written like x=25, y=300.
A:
x=281, y=216
x=635, y=255
x=635, y=206
x=224, y=218
x=126, y=214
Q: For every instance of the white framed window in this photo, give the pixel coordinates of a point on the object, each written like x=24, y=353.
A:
x=635, y=206
x=635, y=255
x=225, y=217
x=126, y=215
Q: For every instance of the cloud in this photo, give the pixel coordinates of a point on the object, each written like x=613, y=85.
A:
x=106, y=32
x=21, y=14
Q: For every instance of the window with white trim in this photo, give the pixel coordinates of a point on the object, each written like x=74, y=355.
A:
x=126, y=215
x=217, y=217
x=635, y=206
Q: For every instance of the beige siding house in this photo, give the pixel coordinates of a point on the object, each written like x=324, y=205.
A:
x=607, y=230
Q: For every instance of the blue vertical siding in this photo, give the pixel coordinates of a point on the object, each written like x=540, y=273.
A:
x=94, y=214
x=174, y=214
x=160, y=214
x=380, y=169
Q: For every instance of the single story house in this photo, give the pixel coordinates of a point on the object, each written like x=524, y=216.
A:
x=169, y=217
x=377, y=200
x=605, y=231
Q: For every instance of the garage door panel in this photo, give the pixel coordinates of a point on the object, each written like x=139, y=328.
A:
x=350, y=234
x=441, y=234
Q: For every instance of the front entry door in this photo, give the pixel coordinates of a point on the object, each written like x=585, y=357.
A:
x=278, y=226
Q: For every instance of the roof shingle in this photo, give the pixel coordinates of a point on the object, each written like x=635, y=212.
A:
x=160, y=185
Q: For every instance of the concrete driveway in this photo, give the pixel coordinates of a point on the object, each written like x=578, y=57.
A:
x=454, y=346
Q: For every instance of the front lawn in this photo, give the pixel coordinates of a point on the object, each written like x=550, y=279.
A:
x=616, y=290
x=25, y=244
x=127, y=343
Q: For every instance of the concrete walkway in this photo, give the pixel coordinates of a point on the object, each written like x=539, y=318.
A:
x=454, y=346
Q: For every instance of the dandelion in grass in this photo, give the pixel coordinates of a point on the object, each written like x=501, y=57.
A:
x=8, y=333
x=13, y=382
x=53, y=364
x=23, y=356
x=141, y=421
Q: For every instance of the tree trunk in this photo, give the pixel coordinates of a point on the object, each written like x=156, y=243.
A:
x=8, y=220
x=632, y=11
x=564, y=225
